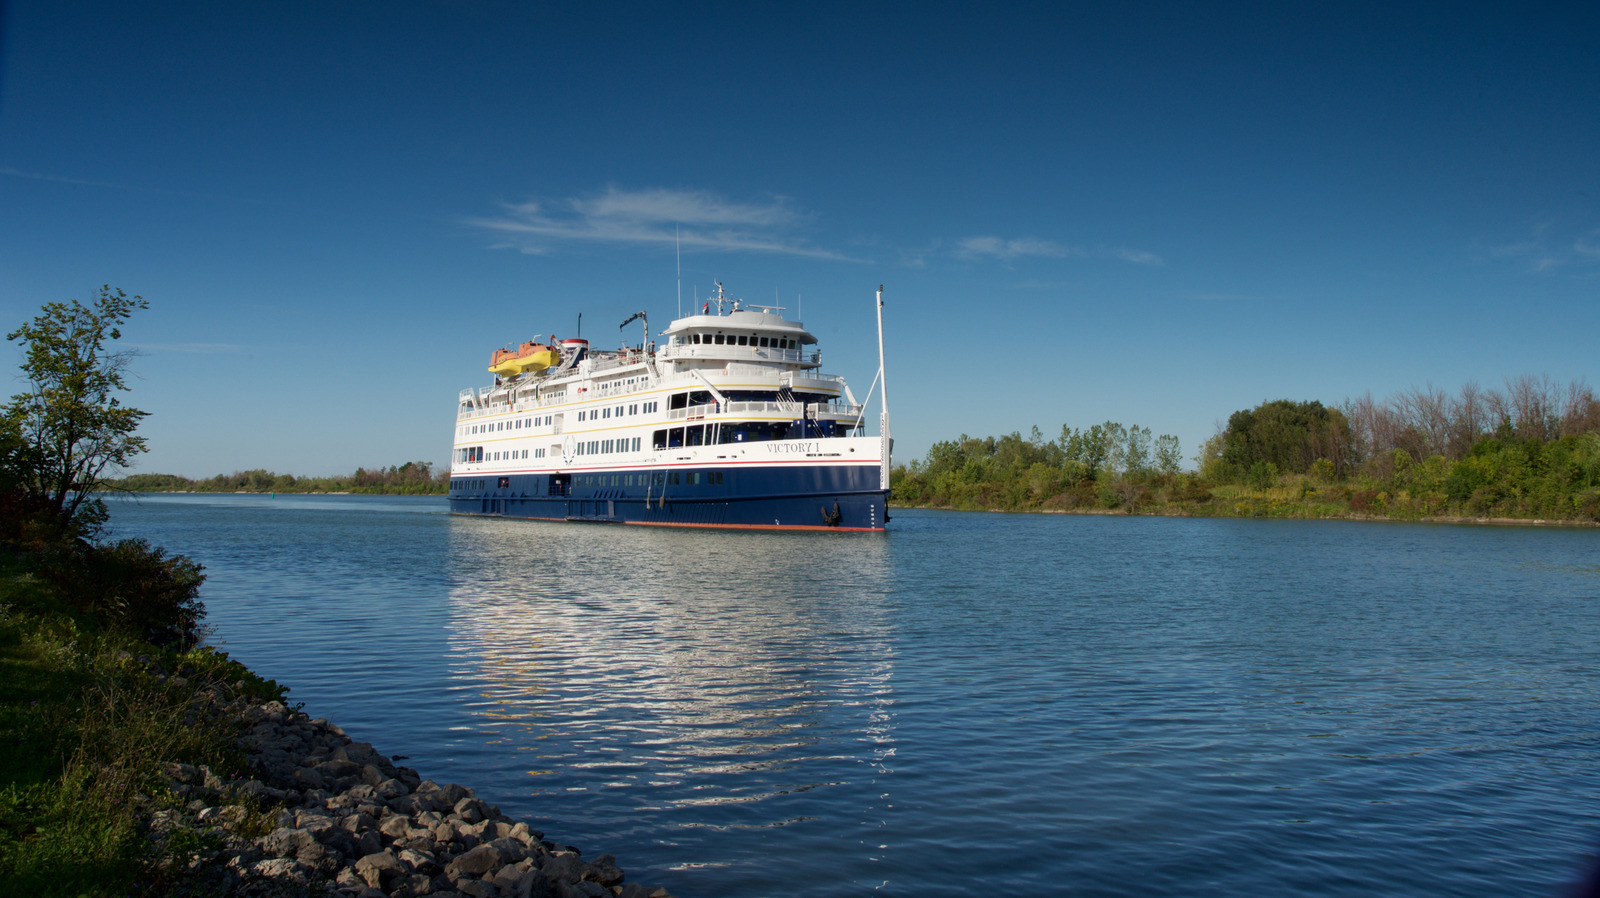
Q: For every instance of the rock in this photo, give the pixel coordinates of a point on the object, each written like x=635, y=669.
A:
x=563, y=867
x=381, y=870
x=309, y=778
x=604, y=870
x=293, y=843
x=510, y=849
x=476, y=862
x=283, y=870
x=183, y=773
x=420, y=861
x=394, y=827
x=633, y=890
x=477, y=889
x=472, y=810
x=358, y=822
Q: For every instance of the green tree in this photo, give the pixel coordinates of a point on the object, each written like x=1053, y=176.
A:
x=1169, y=454
x=1289, y=435
x=69, y=428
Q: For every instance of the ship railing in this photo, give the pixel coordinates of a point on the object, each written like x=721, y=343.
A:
x=746, y=409
x=702, y=351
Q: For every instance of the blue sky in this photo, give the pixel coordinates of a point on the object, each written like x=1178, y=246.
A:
x=1151, y=214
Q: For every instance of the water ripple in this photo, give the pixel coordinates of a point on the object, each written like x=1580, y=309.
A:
x=1046, y=705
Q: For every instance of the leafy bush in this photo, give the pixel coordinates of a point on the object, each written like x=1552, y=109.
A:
x=133, y=586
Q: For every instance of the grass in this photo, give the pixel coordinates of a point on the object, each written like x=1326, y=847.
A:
x=88, y=723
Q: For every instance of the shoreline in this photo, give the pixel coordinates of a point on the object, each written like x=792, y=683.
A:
x=1354, y=516
x=324, y=814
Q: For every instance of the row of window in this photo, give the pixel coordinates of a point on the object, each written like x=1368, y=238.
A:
x=744, y=340
x=516, y=424
x=654, y=479
x=605, y=447
x=469, y=454
x=635, y=408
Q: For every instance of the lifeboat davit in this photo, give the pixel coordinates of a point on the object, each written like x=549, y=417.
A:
x=529, y=356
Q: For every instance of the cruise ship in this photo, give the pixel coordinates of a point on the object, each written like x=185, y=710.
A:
x=729, y=423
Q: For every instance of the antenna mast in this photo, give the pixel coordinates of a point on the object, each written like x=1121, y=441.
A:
x=677, y=247
x=885, y=444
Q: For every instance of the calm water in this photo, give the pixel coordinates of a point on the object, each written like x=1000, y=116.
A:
x=1049, y=705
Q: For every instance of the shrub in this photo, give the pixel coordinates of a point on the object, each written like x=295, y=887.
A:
x=132, y=586
x=1262, y=475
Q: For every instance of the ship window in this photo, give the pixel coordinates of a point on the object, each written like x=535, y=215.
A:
x=694, y=339
x=744, y=340
x=636, y=444
x=764, y=343
x=719, y=339
x=658, y=440
x=694, y=477
x=605, y=413
x=672, y=478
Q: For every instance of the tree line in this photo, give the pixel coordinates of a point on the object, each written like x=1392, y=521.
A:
x=412, y=478
x=1104, y=465
x=1529, y=450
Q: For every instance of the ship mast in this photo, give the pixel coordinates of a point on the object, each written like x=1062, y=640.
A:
x=885, y=443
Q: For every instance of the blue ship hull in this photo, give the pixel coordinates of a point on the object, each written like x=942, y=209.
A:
x=790, y=497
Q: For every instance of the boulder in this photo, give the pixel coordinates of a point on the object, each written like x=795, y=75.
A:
x=381, y=870
x=477, y=862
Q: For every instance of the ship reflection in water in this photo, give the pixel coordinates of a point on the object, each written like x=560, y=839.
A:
x=662, y=686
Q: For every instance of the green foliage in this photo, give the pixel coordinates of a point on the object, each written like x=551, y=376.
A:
x=1515, y=474
x=411, y=478
x=1106, y=466
x=130, y=586
x=1262, y=475
x=60, y=436
x=1289, y=435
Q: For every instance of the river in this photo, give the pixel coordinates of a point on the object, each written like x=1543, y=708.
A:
x=969, y=702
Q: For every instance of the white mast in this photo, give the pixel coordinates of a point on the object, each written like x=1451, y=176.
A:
x=885, y=444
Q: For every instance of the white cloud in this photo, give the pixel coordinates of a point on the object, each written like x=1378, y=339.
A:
x=1007, y=250
x=1544, y=255
x=694, y=219
x=201, y=348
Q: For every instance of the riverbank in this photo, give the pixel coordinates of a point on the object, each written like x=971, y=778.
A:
x=128, y=768
x=345, y=819
x=1266, y=509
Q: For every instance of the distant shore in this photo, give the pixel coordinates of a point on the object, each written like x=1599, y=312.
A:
x=1279, y=513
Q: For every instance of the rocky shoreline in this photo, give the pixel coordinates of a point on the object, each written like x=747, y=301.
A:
x=326, y=815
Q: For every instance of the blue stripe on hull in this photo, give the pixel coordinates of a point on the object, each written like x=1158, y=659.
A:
x=786, y=498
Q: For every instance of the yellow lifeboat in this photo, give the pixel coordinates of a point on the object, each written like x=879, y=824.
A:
x=529, y=356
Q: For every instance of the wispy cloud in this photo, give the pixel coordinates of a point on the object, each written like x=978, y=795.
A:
x=1006, y=250
x=695, y=219
x=81, y=182
x=1544, y=253
x=199, y=348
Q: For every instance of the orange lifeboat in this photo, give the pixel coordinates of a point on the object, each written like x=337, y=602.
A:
x=530, y=356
